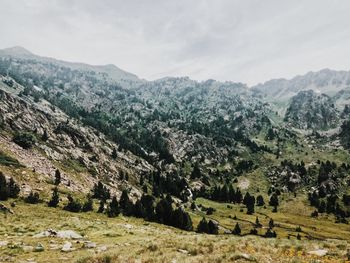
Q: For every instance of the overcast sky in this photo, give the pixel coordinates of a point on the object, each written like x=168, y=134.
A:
x=248, y=41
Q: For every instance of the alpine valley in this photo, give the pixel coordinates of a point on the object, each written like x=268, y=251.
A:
x=98, y=165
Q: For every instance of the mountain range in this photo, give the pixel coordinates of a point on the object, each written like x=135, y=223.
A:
x=176, y=150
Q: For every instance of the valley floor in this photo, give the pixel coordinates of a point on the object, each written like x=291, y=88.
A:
x=127, y=239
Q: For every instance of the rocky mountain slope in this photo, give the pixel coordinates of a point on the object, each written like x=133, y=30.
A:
x=62, y=142
x=211, y=157
x=309, y=110
x=326, y=81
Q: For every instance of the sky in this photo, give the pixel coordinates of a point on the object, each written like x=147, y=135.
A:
x=249, y=41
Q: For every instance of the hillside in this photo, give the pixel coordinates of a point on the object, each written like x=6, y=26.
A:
x=308, y=110
x=171, y=169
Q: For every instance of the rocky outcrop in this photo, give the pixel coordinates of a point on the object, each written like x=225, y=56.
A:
x=309, y=110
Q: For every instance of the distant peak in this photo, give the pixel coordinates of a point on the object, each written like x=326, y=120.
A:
x=17, y=50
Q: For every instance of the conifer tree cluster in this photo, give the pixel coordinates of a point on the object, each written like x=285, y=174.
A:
x=208, y=227
x=8, y=189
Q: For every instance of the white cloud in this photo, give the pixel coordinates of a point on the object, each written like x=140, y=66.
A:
x=248, y=41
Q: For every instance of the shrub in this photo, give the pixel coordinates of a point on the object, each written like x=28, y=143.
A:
x=32, y=198
x=25, y=139
x=73, y=205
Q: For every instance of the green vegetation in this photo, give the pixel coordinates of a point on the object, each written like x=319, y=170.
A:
x=8, y=160
x=24, y=139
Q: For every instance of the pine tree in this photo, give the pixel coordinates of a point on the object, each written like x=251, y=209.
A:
x=55, y=199
x=57, y=177
x=260, y=201
x=213, y=228
x=187, y=222
x=32, y=198
x=238, y=196
x=100, y=191
x=13, y=189
x=124, y=199
x=322, y=207
x=113, y=209
x=196, y=172
x=274, y=202
x=45, y=136
x=203, y=226
x=114, y=153
x=249, y=201
x=88, y=205
x=73, y=205
x=232, y=194
x=270, y=233
x=253, y=231
x=236, y=230
x=4, y=194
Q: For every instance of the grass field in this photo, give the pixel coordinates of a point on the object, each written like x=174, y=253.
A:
x=127, y=239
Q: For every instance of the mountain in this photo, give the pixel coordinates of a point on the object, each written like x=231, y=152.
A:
x=309, y=110
x=326, y=81
x=129, y=166
x=113, y=72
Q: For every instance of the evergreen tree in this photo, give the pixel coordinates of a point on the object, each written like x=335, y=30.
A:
x=45, y=136
x=236, y=230
x=88, y=205
x=238, y=196
x=138, y=209
x=253, y=231
x=124, y=200
x=257, y=222
x=203, y=226
x=100, y=192
x=32, y=198
x=187, y=222
x=73, y=205
x=13, y=188
x=57, y=177
x=271, y=223
x=213, y=228
x=270, y=233
x=249, y=201
x=196, y=172
x=322, y=207
x=164, y=212
x=113, y=209
x=260, y=201
x=114, y=153
x=55, y=199
x=8, y=189
x=232, y=194
x=274, y=201
x=4, y=193
x=147, y=202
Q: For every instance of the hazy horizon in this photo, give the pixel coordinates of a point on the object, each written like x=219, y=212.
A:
x=249, y=42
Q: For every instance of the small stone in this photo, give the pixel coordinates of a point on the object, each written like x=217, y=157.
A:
x=89, y=244
x=319, y=252
x=101, y=248
x=39, y=248
x=28, y=248
x=67, y=247
x=183, y=251
x=3, y=243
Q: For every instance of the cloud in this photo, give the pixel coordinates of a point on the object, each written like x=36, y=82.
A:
x=248, y=41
